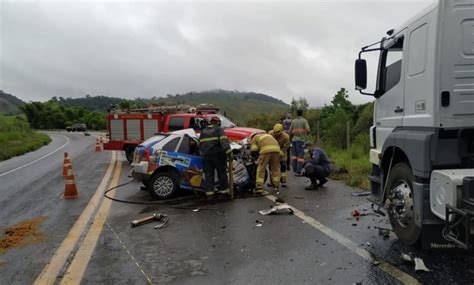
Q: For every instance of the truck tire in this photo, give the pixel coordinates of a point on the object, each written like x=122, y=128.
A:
x=129, y=152
x=401, y=204
x=163, y=185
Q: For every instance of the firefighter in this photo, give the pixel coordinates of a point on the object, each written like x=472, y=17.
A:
x=214, y=147
x=268, y=151
x=283, y=140
x=299, y=128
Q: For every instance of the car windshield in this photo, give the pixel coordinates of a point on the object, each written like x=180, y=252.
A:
x=226, y=123
x=153, y=139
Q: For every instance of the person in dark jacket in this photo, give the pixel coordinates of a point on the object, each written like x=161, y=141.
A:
x=317, y=168
x=214, y=147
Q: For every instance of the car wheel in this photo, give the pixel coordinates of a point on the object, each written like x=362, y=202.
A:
x=163, y=185
x=401, y=204
x=129, y=152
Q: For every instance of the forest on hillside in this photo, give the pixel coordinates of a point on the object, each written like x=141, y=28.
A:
x=60, y=112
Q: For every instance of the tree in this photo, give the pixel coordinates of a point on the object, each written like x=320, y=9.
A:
x=303, y=104
x=341, y=100
x=293, y=106
x=124, y=104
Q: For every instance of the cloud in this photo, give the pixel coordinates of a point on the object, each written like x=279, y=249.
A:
x=123, y=49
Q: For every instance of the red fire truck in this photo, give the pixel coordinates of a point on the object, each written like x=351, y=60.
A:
x=128, y=128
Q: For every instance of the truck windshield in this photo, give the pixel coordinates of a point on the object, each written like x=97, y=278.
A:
x=226, y=123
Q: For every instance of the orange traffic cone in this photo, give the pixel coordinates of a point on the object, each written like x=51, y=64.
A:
x=97, y=145
x=70, y=190
x=67, y=163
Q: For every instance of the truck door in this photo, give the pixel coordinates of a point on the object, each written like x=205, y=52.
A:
x=456, y=70
x=389, y=106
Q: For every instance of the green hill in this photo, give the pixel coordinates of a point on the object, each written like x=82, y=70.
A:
x=9, y=104
x=238, y=106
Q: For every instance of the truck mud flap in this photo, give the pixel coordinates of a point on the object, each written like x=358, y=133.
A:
x=432, y=239
x=457, y=228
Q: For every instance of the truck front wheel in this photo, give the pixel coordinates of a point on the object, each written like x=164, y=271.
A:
x=129, y=152
x=401, y=204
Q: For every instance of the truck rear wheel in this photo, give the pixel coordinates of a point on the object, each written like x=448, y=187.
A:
x=163, y=185
x=129, y=152
x=401, y=204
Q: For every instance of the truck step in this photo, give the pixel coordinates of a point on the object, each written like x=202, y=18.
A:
x=375, y=179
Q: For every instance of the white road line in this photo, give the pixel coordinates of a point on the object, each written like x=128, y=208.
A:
x=38, y=159
x=352, y=246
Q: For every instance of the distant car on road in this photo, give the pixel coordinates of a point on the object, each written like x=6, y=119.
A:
x=76, y=128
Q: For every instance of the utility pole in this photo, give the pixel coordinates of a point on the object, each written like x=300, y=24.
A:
x=317, y=133
x=348, y=134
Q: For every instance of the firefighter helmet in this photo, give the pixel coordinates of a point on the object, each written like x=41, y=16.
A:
x=278, y=129
x=215, y=120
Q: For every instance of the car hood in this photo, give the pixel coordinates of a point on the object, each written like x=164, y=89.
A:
x=189, y=132
x=240, y=133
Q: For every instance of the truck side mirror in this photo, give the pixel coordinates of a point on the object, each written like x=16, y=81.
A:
x=360, y=74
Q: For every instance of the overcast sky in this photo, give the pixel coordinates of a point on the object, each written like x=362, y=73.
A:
x=283, y=49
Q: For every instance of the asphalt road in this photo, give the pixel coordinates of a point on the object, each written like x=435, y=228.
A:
x=89, y=240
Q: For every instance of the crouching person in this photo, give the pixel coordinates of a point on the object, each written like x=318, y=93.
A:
x=317, y=168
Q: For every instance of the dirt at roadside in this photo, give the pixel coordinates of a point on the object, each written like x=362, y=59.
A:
x=21, y=234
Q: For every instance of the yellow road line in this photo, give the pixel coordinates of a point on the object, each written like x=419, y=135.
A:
x=77, y=267
x=352, y=246
x=53, y=268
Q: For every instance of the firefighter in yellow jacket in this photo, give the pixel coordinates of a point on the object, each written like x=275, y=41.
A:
x=268, y=151
x=283, y=140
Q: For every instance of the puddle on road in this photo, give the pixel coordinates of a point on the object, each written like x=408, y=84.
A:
x=21, y=234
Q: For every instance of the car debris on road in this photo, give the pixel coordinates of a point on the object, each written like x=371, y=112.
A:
x=360, y=194
x=420, y=265
x=278, y=209
x=148, y=219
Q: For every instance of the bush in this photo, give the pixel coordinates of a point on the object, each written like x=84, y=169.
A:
x=51, y=115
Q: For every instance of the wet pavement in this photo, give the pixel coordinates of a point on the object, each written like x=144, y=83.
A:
x=224, y=242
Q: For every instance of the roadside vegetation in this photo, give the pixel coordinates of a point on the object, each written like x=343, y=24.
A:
x=59, y=112
x=332, y=128
x=52, y=115
x=16, y=137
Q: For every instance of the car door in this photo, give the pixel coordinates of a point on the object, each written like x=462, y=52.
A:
x=189, y=166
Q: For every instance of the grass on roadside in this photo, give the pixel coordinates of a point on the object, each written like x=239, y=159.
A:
x=354, y=163
x=16, y=137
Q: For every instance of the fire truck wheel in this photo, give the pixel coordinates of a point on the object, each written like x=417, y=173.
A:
x=401, y=204
x=163, y=185
x=129, y=152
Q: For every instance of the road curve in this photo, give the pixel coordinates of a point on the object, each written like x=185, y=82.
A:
x=32, y=186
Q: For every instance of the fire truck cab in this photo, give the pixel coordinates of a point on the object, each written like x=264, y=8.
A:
x=128, y=128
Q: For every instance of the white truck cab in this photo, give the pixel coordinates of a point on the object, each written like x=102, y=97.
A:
x=422, y=139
